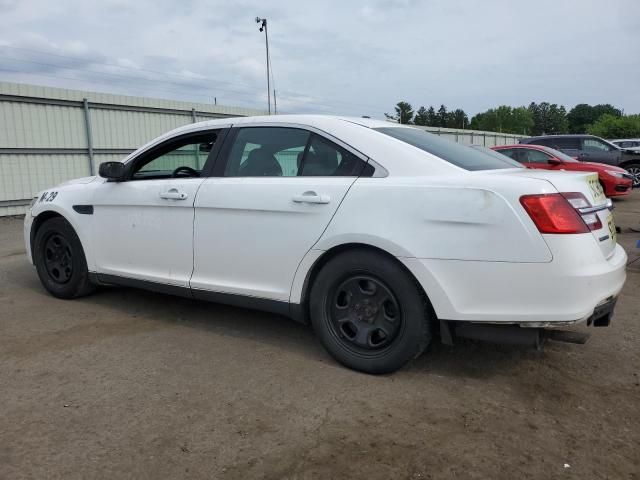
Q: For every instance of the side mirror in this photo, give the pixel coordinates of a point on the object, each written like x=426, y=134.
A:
x=555, y=161
x=113, y=171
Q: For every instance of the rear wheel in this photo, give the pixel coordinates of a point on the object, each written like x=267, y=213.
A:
x=369, y=313
x=634, y=170
x=60, y=261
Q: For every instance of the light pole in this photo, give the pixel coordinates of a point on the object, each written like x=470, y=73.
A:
x=263, y=26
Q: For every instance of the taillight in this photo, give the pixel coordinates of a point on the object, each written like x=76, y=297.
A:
x=580, y=203
x=552, y=213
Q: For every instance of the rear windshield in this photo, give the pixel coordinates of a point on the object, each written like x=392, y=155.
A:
x=456, y=153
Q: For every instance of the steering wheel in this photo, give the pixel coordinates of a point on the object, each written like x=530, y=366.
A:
x=185, y=169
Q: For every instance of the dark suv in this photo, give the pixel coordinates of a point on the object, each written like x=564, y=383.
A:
x=589, y=148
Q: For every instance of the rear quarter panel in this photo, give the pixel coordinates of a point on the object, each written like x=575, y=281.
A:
x=441, y=218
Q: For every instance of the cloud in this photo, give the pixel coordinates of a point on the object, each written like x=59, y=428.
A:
x=331, y=56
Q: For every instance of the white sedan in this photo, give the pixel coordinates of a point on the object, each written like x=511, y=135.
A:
x=380, y=235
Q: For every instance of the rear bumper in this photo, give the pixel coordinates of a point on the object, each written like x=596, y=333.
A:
x=561, y=292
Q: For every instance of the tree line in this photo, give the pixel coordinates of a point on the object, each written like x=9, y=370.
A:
x=542, y=118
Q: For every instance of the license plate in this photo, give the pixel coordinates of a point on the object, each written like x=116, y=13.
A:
x=596, y=188
x=612, y=229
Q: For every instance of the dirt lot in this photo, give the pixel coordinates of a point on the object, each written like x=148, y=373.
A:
x=130, y=384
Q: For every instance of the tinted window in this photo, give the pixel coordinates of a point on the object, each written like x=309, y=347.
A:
x=533, y=156
x=455, y=153
x=564, y=143
x=190, y=152
x=288, y=152
x=558, y=154
x=595, y=145
x=509, y=152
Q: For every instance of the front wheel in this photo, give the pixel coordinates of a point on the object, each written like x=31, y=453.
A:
x=634, y=170
x=369, y=313
x=60, y=261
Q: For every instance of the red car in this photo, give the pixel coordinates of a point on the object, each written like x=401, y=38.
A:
x=615, y=181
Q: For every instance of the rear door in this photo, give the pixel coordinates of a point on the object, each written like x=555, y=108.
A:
x=273, y=193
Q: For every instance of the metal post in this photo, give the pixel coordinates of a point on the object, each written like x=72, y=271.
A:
x=266, y=40
x=275, y=104
x=196, y=147
x=87, y=124
x=263, y=26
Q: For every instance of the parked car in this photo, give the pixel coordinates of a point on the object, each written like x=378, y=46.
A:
x=632, y=144
x=379, y=235
x=615, y=181
x=588, y=148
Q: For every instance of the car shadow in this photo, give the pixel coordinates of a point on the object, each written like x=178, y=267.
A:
x=468, y=358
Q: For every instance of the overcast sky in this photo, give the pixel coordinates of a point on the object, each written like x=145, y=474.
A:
x=345, y=57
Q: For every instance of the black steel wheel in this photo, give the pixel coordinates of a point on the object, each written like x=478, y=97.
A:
x=368, y=312
x=364, y=313
x=59, y=259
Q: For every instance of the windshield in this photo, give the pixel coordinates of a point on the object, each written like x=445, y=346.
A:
x=455, y=153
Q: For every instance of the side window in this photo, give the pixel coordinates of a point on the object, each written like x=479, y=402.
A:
x=287, y=152
x=564, y=143
x=533, y=156
x=595, y=145
x=509, y=152
x=177, y=158
x=326, y=159
x=266, y=152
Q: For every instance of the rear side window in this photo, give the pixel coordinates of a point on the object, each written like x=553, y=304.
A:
x=455, y=153
x=509, y=152
x=564, y=143
x=533, y=156
x=288, y=152
x=595, y=145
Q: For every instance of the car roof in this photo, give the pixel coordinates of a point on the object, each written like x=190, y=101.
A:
x=563, y=135
x=349, y=130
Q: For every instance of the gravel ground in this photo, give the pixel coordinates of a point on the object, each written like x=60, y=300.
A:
x=131, y=384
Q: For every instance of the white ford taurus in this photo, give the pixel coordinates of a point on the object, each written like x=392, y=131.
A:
x=379, y=235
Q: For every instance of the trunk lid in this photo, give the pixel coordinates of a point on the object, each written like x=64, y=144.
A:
x=589, y=185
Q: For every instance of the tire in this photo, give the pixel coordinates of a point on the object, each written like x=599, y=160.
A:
x=60, y=261
x=385, y=320
x=634, y=169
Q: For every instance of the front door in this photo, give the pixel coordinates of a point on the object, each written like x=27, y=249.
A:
x=270, y=202
x=595, y=150
x=143, y=226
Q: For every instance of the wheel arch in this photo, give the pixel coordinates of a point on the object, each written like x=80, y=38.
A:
x=38, y=221
x=627, y=163
x=300, y=312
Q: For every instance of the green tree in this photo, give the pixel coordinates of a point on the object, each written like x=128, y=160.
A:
x=432, y=117
x=583, y=115
x=612, y=126
x=404, y=113
x=548, y=118
x=504, y=119
x=458, y=119
x=443, y=116
x=421, y=117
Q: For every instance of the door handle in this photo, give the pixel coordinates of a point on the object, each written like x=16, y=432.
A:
x=311, y=197
x=173, y=194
